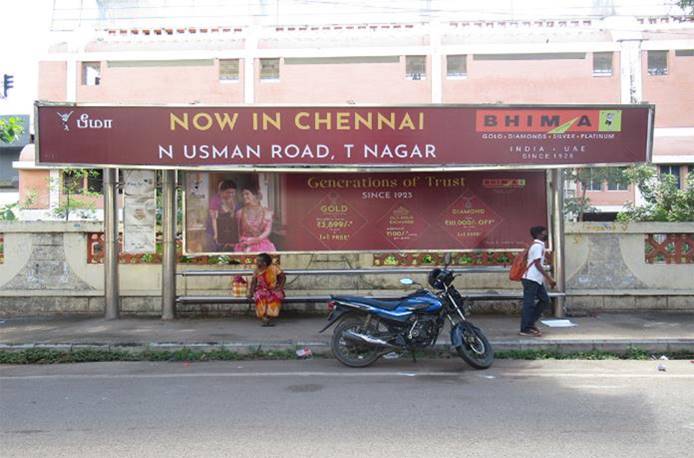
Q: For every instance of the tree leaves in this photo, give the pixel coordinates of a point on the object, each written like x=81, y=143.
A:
x=663, y=201
x=10, y=129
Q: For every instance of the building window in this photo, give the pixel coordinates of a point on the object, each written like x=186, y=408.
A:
x=616, y=180
x=602, y=64
x=270, y=69
x=456, y=66
x=594, y=183
x=531, y=56
x=91, y=73
x=684, y=52
x=416, y=67
x=95, y=181
x=83, y=181
x=228, y=69
x=160, y=63
x=337, y=60
x=673, y=170
x=657, y=63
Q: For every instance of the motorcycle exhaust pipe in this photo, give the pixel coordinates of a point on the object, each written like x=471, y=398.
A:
x=366, y=339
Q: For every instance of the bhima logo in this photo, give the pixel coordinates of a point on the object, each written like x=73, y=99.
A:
x=503, y=183
x=84, y=121
x=548, y=121
x=65, y=117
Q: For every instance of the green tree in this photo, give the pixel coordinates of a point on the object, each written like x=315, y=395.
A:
x=579, y=205
x=10, y=129
x=179, y=205
x=663, y=201
x=687, y=6
x=7, y=212
x=77, y=193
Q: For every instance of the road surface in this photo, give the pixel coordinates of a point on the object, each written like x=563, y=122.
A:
x=318, y=408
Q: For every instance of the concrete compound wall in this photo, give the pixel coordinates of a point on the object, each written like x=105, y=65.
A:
x=606, y=268
x=45, y=273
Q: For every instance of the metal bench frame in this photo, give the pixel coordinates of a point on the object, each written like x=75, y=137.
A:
x=487, y=296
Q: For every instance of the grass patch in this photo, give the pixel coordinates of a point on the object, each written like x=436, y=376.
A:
x=52, y=356
x=85, y=355
x=549, y=354
x=632, y=353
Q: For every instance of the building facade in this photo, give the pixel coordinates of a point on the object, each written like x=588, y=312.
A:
x=617, y=59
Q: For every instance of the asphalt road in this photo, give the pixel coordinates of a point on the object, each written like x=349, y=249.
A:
x=318, y=408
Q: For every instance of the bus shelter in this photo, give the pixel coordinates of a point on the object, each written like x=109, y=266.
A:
x=308, y=179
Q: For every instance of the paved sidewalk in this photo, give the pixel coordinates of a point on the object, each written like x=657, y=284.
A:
x=649, y=331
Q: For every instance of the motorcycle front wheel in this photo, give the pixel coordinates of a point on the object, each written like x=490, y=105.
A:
x=475, y=348
x=350, y=353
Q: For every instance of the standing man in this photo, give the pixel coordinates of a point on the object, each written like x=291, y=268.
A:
x=535, y=297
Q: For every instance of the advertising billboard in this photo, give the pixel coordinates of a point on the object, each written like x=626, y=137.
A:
x=333, y=137
x=139, y=211
x=237, y=212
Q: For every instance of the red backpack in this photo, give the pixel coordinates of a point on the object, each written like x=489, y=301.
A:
x=519, y=266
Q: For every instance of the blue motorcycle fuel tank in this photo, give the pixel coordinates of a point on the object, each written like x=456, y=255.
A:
x=422, y=301
x=419, y=302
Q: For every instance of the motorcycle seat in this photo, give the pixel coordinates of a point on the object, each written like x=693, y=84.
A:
x=378, y=303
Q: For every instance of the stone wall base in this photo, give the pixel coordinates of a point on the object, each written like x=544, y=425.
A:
x=644, y=303
x=50, y=306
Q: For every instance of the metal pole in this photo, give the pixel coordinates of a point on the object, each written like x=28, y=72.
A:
x=111, y=290
x=558, y=239
x=168, y=265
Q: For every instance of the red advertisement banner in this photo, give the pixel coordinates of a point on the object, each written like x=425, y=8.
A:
x=228, y=212
x=425, y=136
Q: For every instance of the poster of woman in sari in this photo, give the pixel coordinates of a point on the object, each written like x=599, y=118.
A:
x=254, y=224
x=231, y=212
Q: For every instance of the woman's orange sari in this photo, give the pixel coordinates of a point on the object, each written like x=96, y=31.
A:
x=268, y=298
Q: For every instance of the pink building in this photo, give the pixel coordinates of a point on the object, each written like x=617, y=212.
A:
x=614, y=60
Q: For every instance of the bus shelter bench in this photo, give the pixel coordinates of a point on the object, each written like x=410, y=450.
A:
x=469, y=297
x=490, y=296
x=245, y=300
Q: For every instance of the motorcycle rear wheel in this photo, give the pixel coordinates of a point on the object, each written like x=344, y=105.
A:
x=475, y=348
x=349, y=353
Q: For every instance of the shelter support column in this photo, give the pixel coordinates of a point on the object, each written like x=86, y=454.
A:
x=168, y=274
x=558, y=239
x=111, y=288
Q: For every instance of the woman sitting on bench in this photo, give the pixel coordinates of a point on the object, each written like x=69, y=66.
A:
x=267, y=288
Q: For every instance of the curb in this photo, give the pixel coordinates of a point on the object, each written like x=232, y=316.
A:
x=323, y=348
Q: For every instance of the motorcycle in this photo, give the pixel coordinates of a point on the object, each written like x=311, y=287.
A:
x=369, y=328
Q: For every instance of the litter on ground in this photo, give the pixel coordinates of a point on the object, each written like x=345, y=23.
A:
x=558, y=323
